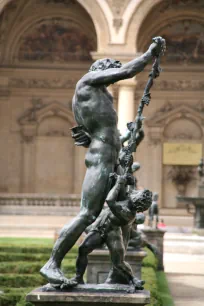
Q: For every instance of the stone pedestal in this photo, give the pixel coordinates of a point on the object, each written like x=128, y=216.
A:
x=156, y=237
x=89, y=295
x=99, y=265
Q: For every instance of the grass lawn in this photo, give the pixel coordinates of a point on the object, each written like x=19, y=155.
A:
x=26, y=241
x=22, y=258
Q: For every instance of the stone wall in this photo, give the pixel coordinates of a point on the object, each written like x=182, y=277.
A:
x=37, y=84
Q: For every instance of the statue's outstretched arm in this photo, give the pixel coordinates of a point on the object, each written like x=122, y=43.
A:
x=128, y=70
x=112, y=75
x=113, y=193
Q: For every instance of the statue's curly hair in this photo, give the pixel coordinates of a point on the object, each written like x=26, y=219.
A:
x=141, y=199
x=105, y=63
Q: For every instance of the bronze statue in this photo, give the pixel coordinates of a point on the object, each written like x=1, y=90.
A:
x=97, y=130
x=154, y=211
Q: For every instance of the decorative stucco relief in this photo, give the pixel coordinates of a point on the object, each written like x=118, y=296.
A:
x=5, y=21
x=177, y=122
x=53, y=119
x=43, y=83
x=66, y=33
x=184, y=40
x=56, y=40
x=182, y=85
x=176, y=4
x=117, y=7
x=59, y=2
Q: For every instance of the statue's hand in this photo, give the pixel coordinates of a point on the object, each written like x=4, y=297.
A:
x=130, y=179
x=81, y=137
x=122, y=179
x=158, y=46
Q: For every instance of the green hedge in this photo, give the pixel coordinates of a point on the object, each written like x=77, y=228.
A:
x=150, y=260
x=32, y=249
x=23, y=267
x=14, y=297
x=29, y=257
x=21, y=280
x=22, y=259
x=150, y=278
x=164, y=291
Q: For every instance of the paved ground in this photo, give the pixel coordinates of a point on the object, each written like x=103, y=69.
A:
x=185, y=274
x=187, y=290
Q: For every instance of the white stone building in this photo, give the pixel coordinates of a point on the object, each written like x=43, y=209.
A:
x=47, y=45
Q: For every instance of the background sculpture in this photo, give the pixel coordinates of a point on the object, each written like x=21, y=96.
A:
x=154, y=211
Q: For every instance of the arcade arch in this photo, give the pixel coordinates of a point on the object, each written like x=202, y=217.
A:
x=40, y=155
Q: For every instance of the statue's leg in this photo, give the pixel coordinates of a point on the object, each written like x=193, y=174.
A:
x=92, y=241
x=113, y=274
x=157, y=220
x=94, y=191
x=116, y=247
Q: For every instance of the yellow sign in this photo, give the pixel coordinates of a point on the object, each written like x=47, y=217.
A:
x=182, y=153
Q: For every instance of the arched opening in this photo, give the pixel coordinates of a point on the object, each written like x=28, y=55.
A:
x=181, y=26
x=61, y=34
x=44, y=52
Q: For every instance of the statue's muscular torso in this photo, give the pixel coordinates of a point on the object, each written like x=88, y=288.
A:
x=93, y=108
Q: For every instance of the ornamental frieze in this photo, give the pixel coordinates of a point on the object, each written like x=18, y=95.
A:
x=42, y=83
x=182, y=85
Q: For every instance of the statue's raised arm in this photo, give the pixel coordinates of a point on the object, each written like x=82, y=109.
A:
x=108, y=71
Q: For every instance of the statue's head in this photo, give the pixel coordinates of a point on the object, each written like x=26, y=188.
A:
x=103, y=64
x=141, y=199
x=155, y=196
x=140, y=218
x=135, y=167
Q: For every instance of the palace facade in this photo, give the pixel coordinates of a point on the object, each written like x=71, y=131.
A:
x=47, y=45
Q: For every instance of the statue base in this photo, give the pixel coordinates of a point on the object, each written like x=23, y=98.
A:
x=99, y=264
x=156, y=237
x=89, y=295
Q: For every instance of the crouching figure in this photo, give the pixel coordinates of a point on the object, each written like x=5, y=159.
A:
x=107, y=230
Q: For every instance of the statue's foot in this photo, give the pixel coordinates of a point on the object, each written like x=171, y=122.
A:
x=138, y=284
x=53, y=273
x=78, y=280
x=69, y=283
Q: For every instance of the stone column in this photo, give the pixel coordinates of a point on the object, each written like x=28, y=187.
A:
x=126, y=103
x=5, y=110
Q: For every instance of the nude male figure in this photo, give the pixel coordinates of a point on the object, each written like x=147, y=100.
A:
x=93, y=110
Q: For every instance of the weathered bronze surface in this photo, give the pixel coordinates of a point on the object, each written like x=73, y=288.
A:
x=109, y=171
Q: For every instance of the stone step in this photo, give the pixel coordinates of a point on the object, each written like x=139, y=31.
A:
x=183, y=243
x=176, y=221
x=173, y=212
x=31, y=226
x=27, y=233
x=39, y=210
x=184, y=263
